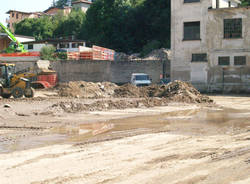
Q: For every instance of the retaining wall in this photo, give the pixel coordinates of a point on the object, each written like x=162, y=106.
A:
x=98, y=71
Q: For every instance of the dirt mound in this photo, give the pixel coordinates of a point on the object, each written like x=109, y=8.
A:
x=178, y=91
x=82, y=89
x=128, y=90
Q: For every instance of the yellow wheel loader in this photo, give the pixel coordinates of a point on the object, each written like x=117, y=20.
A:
x=14, y=84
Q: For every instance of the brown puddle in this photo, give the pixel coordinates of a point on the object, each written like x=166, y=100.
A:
x=201, y=122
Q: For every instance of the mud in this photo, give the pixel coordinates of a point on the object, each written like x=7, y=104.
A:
x=205, y=122
x=58, y=141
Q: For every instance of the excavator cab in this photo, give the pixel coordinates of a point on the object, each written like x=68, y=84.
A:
x=12, y=84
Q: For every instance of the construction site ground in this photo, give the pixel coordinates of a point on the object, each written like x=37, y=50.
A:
x=43, y=142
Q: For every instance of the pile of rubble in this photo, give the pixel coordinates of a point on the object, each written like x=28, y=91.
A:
x=159, y=54
x=176, y=91
x=82, y=89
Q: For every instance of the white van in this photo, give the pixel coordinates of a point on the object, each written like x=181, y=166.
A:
x=140, y=79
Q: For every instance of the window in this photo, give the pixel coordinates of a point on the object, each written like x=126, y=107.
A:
x=80, y=44
x=64, y=45
x=30, y=46
x=224, y=60
x=239, y=60
x=13, y=14
x=199, y=57
x=191, y=31
x=232, y=28
x=74, y=45
x=16, y=15
x=191, y=1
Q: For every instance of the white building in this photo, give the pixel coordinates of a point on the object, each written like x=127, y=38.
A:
x=82, y=4
x=210, y=44
x=59, y=44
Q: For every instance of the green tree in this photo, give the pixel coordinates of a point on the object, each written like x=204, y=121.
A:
x=128, y=25
x=41, y=28
x=245, y=3
x=70, y=25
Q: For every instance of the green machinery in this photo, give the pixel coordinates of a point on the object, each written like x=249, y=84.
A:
x=15, y=45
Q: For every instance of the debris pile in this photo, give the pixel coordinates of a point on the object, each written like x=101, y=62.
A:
x=176, y=91
x=159, y=54
x=82, y=89
x=128, y=90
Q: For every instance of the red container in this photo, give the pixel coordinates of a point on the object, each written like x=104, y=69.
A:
x=50, y=78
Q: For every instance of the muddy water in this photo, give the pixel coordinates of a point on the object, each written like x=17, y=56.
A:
x=200, y=122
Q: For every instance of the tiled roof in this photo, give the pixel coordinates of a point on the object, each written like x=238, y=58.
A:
x=82, y=1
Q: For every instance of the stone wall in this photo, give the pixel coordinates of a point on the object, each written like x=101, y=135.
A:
x=98, y=71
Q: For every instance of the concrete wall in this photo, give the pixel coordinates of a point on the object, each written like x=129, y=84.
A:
x=117, y=72
x=98, y=71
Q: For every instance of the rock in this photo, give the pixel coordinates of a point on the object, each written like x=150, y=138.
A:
x=7, y=106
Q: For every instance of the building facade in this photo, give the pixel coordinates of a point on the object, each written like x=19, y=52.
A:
x=68, y=45
x=18, y=16
x=82, y=4
x=210, y=44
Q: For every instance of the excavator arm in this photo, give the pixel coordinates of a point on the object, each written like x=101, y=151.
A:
x=15, y=46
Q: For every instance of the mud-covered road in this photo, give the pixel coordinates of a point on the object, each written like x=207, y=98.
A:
x=41, y=143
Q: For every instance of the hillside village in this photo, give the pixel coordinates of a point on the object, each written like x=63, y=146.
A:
x=135, y=91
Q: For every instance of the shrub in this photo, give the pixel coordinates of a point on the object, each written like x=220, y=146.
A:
x=48, y=53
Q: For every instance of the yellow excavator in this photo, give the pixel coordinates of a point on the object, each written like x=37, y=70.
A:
x=15, y=84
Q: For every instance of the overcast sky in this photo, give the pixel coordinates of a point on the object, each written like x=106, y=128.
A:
x=22, y=5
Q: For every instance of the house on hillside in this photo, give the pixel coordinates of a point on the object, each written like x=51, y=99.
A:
x=53, y=10
x=82, y=4
x=5, y=40
x=210, y=42
x=18, y=16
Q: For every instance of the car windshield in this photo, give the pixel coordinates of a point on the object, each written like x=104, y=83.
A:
x=141, y=77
